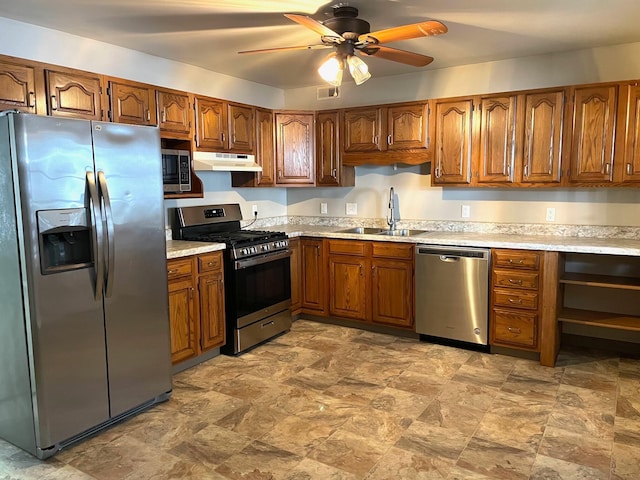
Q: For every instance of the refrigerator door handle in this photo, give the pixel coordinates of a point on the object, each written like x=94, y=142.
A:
x=96, y=231
x=110, y=269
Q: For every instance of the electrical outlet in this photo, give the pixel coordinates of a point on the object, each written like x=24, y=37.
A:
x=254, y=210
x=323, y=207
x=352, y=209
x=465, y=211
x=551, y=214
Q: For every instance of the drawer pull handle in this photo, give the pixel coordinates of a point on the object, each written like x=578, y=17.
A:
x=210, y=264
x=267, y=324
x=516, y=301
x=515, y=282
x=517, y=262
x=171, y=272
x=514, y=330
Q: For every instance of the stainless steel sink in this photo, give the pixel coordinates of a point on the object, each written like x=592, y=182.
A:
x=362, y=230
x=403, y=232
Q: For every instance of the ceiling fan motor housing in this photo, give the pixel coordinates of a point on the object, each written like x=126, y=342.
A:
x=345, y=21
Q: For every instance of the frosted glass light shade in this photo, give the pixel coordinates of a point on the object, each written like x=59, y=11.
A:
x=358, y=69
x=331, y=71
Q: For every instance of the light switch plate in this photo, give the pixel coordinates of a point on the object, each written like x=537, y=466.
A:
x=323, y=207
x=465, y=211
x=551, y=214
x=352, y=209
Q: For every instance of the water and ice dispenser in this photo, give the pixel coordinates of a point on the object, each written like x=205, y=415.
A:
x=64, y=236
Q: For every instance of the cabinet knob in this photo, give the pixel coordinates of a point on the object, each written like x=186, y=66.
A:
x=526, y=171
x=222, y=136
x=389, y=139
x=334, y=173
x=148, y=115
x=54, y=103
x=515, y=281
x=607, y=168
x=172, y=271
x=629, y=171
x=517, y=262
x=515, y=301
x=514, y=330
x=164, y=115
x=32, y=99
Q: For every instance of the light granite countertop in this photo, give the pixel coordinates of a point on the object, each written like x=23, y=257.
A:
x=181, y=248
x=607, y=246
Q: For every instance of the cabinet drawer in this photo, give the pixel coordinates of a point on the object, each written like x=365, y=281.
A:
x=349, y=247
x=179, y=268
x=392, y=250
x=515, y=279
x=516, y=259
x=209, y=262
x=515, y=299
x=515, y=328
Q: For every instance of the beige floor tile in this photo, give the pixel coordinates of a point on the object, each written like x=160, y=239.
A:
x=259, y=461
x=496, y=461
x=546, y=468
x=401, y=464
x=576, y=448
x=625, y=462
x=431, y=440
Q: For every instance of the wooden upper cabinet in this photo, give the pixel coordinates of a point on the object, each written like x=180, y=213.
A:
x=174, y=112
x=593, y=138
x=631, y=161
x=363, y=130
x=407, y=127
x=241, y=128
x=453, y=139
x=17, y=87
x=132, y=103
x=295, y=145
x=211, y=123
x=74, y=95
x=265, y=148
x=543, y=125
x=497, y=131
x=327, y=148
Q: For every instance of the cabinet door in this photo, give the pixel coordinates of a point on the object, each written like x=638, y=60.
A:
x=313, y=275
x=392, y=292
x=211, y=123
x=348, y=286
x=132, y=103
x=363, y=130
x=296, y=274
x=453, y=123
x=265, y=147
x=631, y=171
x=594, y=118
x=497, y=129
x=327, y=149
x=17, y=88
x=175, y=112
x=407, y=127
x=212, y=315
x=295, y=163
x=74, y=95
x=241, y=128
x=542, y=152
x=182, y=311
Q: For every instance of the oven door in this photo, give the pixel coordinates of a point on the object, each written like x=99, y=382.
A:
x=262, y=286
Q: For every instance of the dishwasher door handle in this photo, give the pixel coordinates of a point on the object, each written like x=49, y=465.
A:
x=449, y=259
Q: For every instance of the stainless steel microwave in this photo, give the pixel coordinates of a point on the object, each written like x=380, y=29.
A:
x=176, y=170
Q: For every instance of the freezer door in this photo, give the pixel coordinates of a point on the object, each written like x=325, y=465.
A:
x=64, y=319
x=129, y=172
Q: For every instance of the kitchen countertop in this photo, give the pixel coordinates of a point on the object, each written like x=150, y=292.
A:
x=182, y=248
x=608, y=246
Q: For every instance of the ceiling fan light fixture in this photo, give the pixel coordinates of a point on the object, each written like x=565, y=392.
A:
x=331, y=70
x=358, y=69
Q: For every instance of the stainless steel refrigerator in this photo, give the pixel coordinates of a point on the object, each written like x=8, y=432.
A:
x=84, y=325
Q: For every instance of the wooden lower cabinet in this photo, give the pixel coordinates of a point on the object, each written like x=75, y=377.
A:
x=371, y=282
x=196, y=305
x=312, y=284
x=516, y=299
x=296, y=275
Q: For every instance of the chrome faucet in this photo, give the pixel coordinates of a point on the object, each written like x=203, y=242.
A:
x=391, y=219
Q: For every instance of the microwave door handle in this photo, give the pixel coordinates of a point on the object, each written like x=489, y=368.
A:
x=110, y=270
x=96, y=233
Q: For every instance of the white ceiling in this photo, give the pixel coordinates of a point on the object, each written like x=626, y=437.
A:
x=209, y=33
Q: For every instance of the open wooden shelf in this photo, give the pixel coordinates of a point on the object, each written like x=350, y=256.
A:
x=599, y=319
x=606, y=281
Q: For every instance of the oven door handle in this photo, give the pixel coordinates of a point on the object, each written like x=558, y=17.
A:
x=252, y=262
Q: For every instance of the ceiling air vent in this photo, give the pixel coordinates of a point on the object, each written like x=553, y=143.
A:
x=328, y=92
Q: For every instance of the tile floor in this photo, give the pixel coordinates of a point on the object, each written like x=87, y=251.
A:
x=328, y=402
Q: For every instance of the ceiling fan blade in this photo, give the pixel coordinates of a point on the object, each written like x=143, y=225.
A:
x=313, y=25
x=404, y=32
x=285, y=49
x=397, y=55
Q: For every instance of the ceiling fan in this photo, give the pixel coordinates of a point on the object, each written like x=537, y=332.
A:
x=346, y=33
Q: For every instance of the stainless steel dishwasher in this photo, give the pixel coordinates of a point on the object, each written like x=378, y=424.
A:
x=452, y=293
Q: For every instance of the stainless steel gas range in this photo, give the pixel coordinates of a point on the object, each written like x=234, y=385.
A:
x=257, y=272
